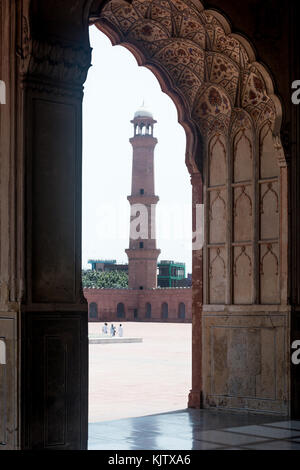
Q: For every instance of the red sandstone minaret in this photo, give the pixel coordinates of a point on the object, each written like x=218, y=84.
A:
x=142, y=252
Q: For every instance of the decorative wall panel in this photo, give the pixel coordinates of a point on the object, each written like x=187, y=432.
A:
x=243, y=156
x=269, y=211
x=243, y=213
x=217, y=275
x=246, y=360
x=57, y=376
x=269, y=273
x=53, y=193
x=268, y=163
x=243, y=275
x=217, y=161
x=217, y=216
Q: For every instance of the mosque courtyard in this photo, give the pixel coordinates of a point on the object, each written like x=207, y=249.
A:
x=137, y=379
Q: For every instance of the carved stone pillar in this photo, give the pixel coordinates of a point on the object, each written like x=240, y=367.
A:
x=53, y=309
x=195, y=396
x=44, y=313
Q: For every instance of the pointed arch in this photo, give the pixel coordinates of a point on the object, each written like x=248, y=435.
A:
x=189, y=48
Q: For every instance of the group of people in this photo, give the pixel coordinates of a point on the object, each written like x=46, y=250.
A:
x=112, y=330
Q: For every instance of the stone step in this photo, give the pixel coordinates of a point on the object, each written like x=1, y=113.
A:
x=110, y=340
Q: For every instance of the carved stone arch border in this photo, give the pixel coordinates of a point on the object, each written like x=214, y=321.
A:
x=169, y=20
x=193, y=139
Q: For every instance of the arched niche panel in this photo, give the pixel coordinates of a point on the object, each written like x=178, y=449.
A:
x=268, y=161
x=217, y=216
x=269, y=274
x=243, y=213
x=269, y=210
x=243, y=156
x=217, y=275
x=269, y=216
x=217, y=158
x=243, y=275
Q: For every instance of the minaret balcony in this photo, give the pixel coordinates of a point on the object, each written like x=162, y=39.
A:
x=144, y=254
x=143, y=199
x=143, y=140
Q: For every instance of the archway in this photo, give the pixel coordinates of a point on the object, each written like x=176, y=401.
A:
x=93, y=311
x=120, y=310
x=111, y=106
x=148, y=311
x=227, y=106
x=181, y=311
x=164, y=311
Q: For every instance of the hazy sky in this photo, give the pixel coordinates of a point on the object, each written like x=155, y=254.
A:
x=115, y=89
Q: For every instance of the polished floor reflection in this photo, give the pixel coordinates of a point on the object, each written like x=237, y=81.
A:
x=196, y=430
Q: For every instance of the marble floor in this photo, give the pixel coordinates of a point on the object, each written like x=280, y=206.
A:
x=196, y=430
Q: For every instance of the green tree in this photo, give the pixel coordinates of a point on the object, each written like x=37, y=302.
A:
x=104, y=280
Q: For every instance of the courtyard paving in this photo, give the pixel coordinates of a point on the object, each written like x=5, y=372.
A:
x=139, y=379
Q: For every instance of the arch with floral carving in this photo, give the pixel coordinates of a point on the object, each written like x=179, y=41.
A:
x=206, y=69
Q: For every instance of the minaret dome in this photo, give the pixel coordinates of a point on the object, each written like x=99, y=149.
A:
x=143, y=122
x=143, y=112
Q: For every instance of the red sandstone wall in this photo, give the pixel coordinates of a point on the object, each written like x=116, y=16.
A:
x=108, y=299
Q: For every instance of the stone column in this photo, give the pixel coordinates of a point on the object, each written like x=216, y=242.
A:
x=53, y=309
x=43, y=311
x=195, y=396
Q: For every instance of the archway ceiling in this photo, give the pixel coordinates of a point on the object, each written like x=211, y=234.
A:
x=212, y=70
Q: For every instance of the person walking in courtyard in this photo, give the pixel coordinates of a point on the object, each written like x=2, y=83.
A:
x=120, y=331
x=104, y=329
x=112, y=330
